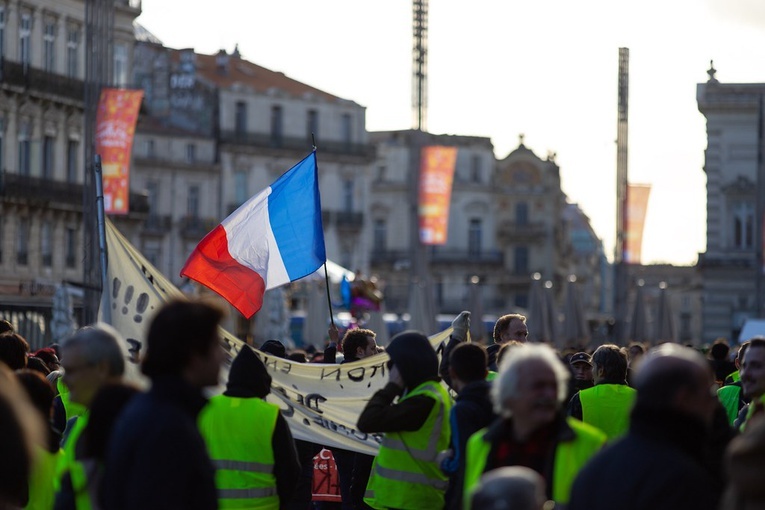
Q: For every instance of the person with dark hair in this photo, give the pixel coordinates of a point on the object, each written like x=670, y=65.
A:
x=718, y=360
x=105, y=407
x=156, y=457
x=662, y=462
x=91, y=358
x=275, y=348
x=5, y=326
x=358, y=343
x=248, y=440
x=581, y=369
x=508, y=327
x=415, y=428
x=606, y=406
x=13, y=350
x=38, y=365
x=47, y=455
x=731, y=395
x=472, y=411
x=752, y=381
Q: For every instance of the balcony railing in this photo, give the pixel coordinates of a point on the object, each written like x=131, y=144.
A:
x=514, y=231
x=195, y=227
x=343, y=219
x=157, y=225
x=446, y=256
x=268, y=141
x=41, y=82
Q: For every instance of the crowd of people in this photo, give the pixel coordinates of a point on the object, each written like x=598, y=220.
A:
x=514, y=425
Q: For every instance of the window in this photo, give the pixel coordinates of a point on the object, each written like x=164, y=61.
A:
x=70, y=242
x=522, y=213
x=380, y=236
x=25, y=35
x=46, y=243
x=152, y=192
x=382, y=170
x=72, y=149
x=345, y=127
x=348, y=195
x=149, y=148
x=276, y=126
x=47, y=157
x=120, y=65
x=240, y=187
x=743, y=226
x=2, y=31
x=240, y=119
x=72, y=51
x=474, y=237
x=22, y=242
x=312, y=124
x=2, y=144
x=191, y=153
x=521, y=260
x=192, y=203
x=25, y=151
x=475, y=168
x=49, y=46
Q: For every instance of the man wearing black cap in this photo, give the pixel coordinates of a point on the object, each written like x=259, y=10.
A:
x=243, y=432
x=581, y=367
x=406, y=473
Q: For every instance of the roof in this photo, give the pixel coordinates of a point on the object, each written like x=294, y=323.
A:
x=243, y=72
x=143, y=35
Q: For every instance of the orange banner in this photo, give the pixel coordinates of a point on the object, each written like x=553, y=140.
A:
x=436, y=176
x=637, y=205
x=115, y=126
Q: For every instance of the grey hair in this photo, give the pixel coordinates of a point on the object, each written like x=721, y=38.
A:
x=99, y=342
x=506, y=384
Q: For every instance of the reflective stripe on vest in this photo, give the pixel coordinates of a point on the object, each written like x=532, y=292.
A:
x=607, y=408
x=570, y=457
x=405, y=473
x=239, y=434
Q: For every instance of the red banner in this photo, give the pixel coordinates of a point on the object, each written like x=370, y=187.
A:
x=436, y=176
x=115, y=126
x=637, y=206
x=326, y=485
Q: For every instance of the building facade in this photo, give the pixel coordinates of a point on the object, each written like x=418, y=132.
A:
x=42, y=73
x=731, y=265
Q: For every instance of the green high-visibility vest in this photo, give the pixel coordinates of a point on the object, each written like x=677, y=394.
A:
x=729, y=397
x=42, y=481
x=239, y=434
x=607, y=407
x=570, y=457
x=69, y=464
x=405, y=473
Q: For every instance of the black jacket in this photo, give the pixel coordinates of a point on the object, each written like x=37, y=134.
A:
x=156, y=457
x=659, y=464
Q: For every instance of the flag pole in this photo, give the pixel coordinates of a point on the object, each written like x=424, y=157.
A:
x=326, y=273
x=106, y=312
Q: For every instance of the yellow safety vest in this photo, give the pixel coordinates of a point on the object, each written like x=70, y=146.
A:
x=239, y=434
x=729, y=397
x=570, y=457
x=42, y=483
x=69, y=464
x=607, y=407
x=405, y=473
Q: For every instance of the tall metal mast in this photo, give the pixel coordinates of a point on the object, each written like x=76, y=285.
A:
x=420, y=65
x=620, y=250
x=99, y=27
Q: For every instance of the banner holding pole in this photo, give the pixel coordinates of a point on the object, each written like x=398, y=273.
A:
x=115, y=127
x=637, y=206
x=436, y=176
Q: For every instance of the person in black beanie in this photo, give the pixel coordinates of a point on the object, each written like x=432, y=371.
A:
x=242, y=430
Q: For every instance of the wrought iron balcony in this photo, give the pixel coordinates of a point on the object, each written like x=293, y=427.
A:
x=37, y=81
x=343, y=220
x=195, y=227
x=512, y=231
x=448, y=256
x=268, y=141
x=157, y=225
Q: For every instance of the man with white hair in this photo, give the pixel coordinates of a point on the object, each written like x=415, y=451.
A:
x=532, y=430
x=511, y=488
x=664, y=461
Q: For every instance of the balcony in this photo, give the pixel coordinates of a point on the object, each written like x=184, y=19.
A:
x=452, y=256
x=267, y=141
x=513, y=232
x=37, y=81
x=157, y=225
x=389, y=256
x=343, y=220
x=194, y=227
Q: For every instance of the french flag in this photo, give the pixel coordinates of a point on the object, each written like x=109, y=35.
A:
x=274, y=238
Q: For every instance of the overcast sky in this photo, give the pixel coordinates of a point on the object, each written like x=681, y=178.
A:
x=498, y=68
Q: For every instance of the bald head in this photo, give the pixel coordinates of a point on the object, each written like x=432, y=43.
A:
x=674, y=377
x=510, y=488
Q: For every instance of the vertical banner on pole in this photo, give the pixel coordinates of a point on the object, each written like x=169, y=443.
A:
x=115, y=127
x=436, y=176
x=637, y=206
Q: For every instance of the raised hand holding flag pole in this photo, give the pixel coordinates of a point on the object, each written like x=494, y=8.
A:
x=272, y=239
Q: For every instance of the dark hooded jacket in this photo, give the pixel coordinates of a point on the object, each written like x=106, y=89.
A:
x=248, y=378
x=417, y=362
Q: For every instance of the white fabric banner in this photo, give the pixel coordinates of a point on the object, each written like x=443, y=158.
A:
x=321, y=402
